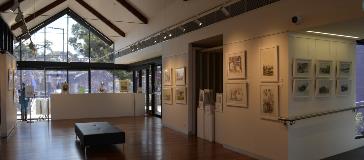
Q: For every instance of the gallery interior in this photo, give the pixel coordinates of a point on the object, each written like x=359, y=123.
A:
x=182, y=79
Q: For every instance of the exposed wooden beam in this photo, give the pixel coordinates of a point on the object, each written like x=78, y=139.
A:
x=7, y=5
x=38, y=13
x=134, y=11
x=101, y=17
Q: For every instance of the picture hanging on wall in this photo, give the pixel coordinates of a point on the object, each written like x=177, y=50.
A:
x=302, y=87
x=343, y=87
x=181, y=95
x=167, y=95
x=218, y=102
x=236, y=94
x=236, y=64
x=11, y=79
x=201, y=99
x=269, y=67
x=167, y=77
x=344, y=69
x=269, y=101
x=180, y=76
x=323, y=88
x=302, y=68
x=324, y=68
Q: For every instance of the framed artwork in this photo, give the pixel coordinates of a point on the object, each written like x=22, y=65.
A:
x=343, y=87
x=201, y=98
x=236, y=94
x=236, y=65
x=323, y=87
x=269, y=58
x=302, y=68
x=167, y=95
x=302, y=87
x=181, y=95
x=167, y=77
x=269, y=101
x=11, y=79
x=324, y=68
x=218, y=102
x=180, y=76
x=344, y=69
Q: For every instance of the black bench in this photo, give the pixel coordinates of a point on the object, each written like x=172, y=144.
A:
x=98, y=133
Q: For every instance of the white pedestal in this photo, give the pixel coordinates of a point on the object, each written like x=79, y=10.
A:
x=206, y=123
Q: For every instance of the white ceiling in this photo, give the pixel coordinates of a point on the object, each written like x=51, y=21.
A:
x=110, y=9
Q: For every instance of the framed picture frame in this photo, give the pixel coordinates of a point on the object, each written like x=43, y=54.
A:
x=181, y=95
x=302, y=68
x=236, y=65
x=269, y=101
x=324, y=68
x=237, y=95
x=269, y=64
x=344, y=69
x=218, y=102
x=343, y=87
x=323, y=87
x=167, y=95
x=10, y=79
x=201, y=99
x=180, y=76
x=167, y=77
x=302, y=87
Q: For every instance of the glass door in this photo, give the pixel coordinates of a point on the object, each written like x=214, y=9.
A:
x=158, y=91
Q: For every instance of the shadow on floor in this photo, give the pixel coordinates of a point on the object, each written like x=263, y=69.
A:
x=356, y=154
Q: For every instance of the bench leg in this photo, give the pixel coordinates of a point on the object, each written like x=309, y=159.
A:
x=85, y=148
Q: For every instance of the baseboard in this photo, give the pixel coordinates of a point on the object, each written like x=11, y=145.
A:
x=245, y=152
x=175, y=129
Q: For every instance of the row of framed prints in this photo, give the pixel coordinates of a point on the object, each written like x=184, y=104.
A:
x=269, y=65
x=237, y=96
x=302, y=68
x=322, y=87
x=180, y=95
x=180, y=76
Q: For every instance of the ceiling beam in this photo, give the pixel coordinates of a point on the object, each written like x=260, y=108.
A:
x=38, y=13
x=7, y=5
x=134, y=11
x=101, y=17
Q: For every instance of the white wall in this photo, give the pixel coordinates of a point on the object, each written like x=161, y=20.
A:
x=8, y=108
x=322, y=136
x=239, y=128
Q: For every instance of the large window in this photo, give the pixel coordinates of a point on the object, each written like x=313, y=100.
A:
x=121, y=75
x=78, y=82
x=100, y=51
x=55, y=80
x=36, y=79
x=101, y=80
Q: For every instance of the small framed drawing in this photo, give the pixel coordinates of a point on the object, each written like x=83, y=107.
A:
x=344, y=69
x=236, y=94
x=269, y=58
x=201, y=99
x=181, y=95
x=324, y=68
x=302, y=87
x=167, y=77
x=218, y=102
x=302, y=68
x=167, y=95
x=323, y=88
x=10, y=79
x=180, y=76
x=236, y=64
x=343, y=87
x=269, y=101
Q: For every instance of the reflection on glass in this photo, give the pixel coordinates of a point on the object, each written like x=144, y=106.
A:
x=36, y=79
x=123, y=75
x=78, y=82
x=55, y=79
x=158, y=88
x=99, y=77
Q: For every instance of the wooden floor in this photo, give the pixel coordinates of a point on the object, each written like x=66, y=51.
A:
x=146, y=139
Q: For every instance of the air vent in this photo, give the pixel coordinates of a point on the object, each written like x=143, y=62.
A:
x=216, y=15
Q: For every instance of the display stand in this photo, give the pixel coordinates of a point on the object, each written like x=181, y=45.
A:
x=30, y=110
x=206, y=123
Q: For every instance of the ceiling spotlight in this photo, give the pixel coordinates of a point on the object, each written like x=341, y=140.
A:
x=198, y=22
x=170, y=35
x=155, y=41
x=182, y=29
x=165, y=37
x=225, y=11
x=15, y=6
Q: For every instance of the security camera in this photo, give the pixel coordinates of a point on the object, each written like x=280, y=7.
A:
x=296, y=20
